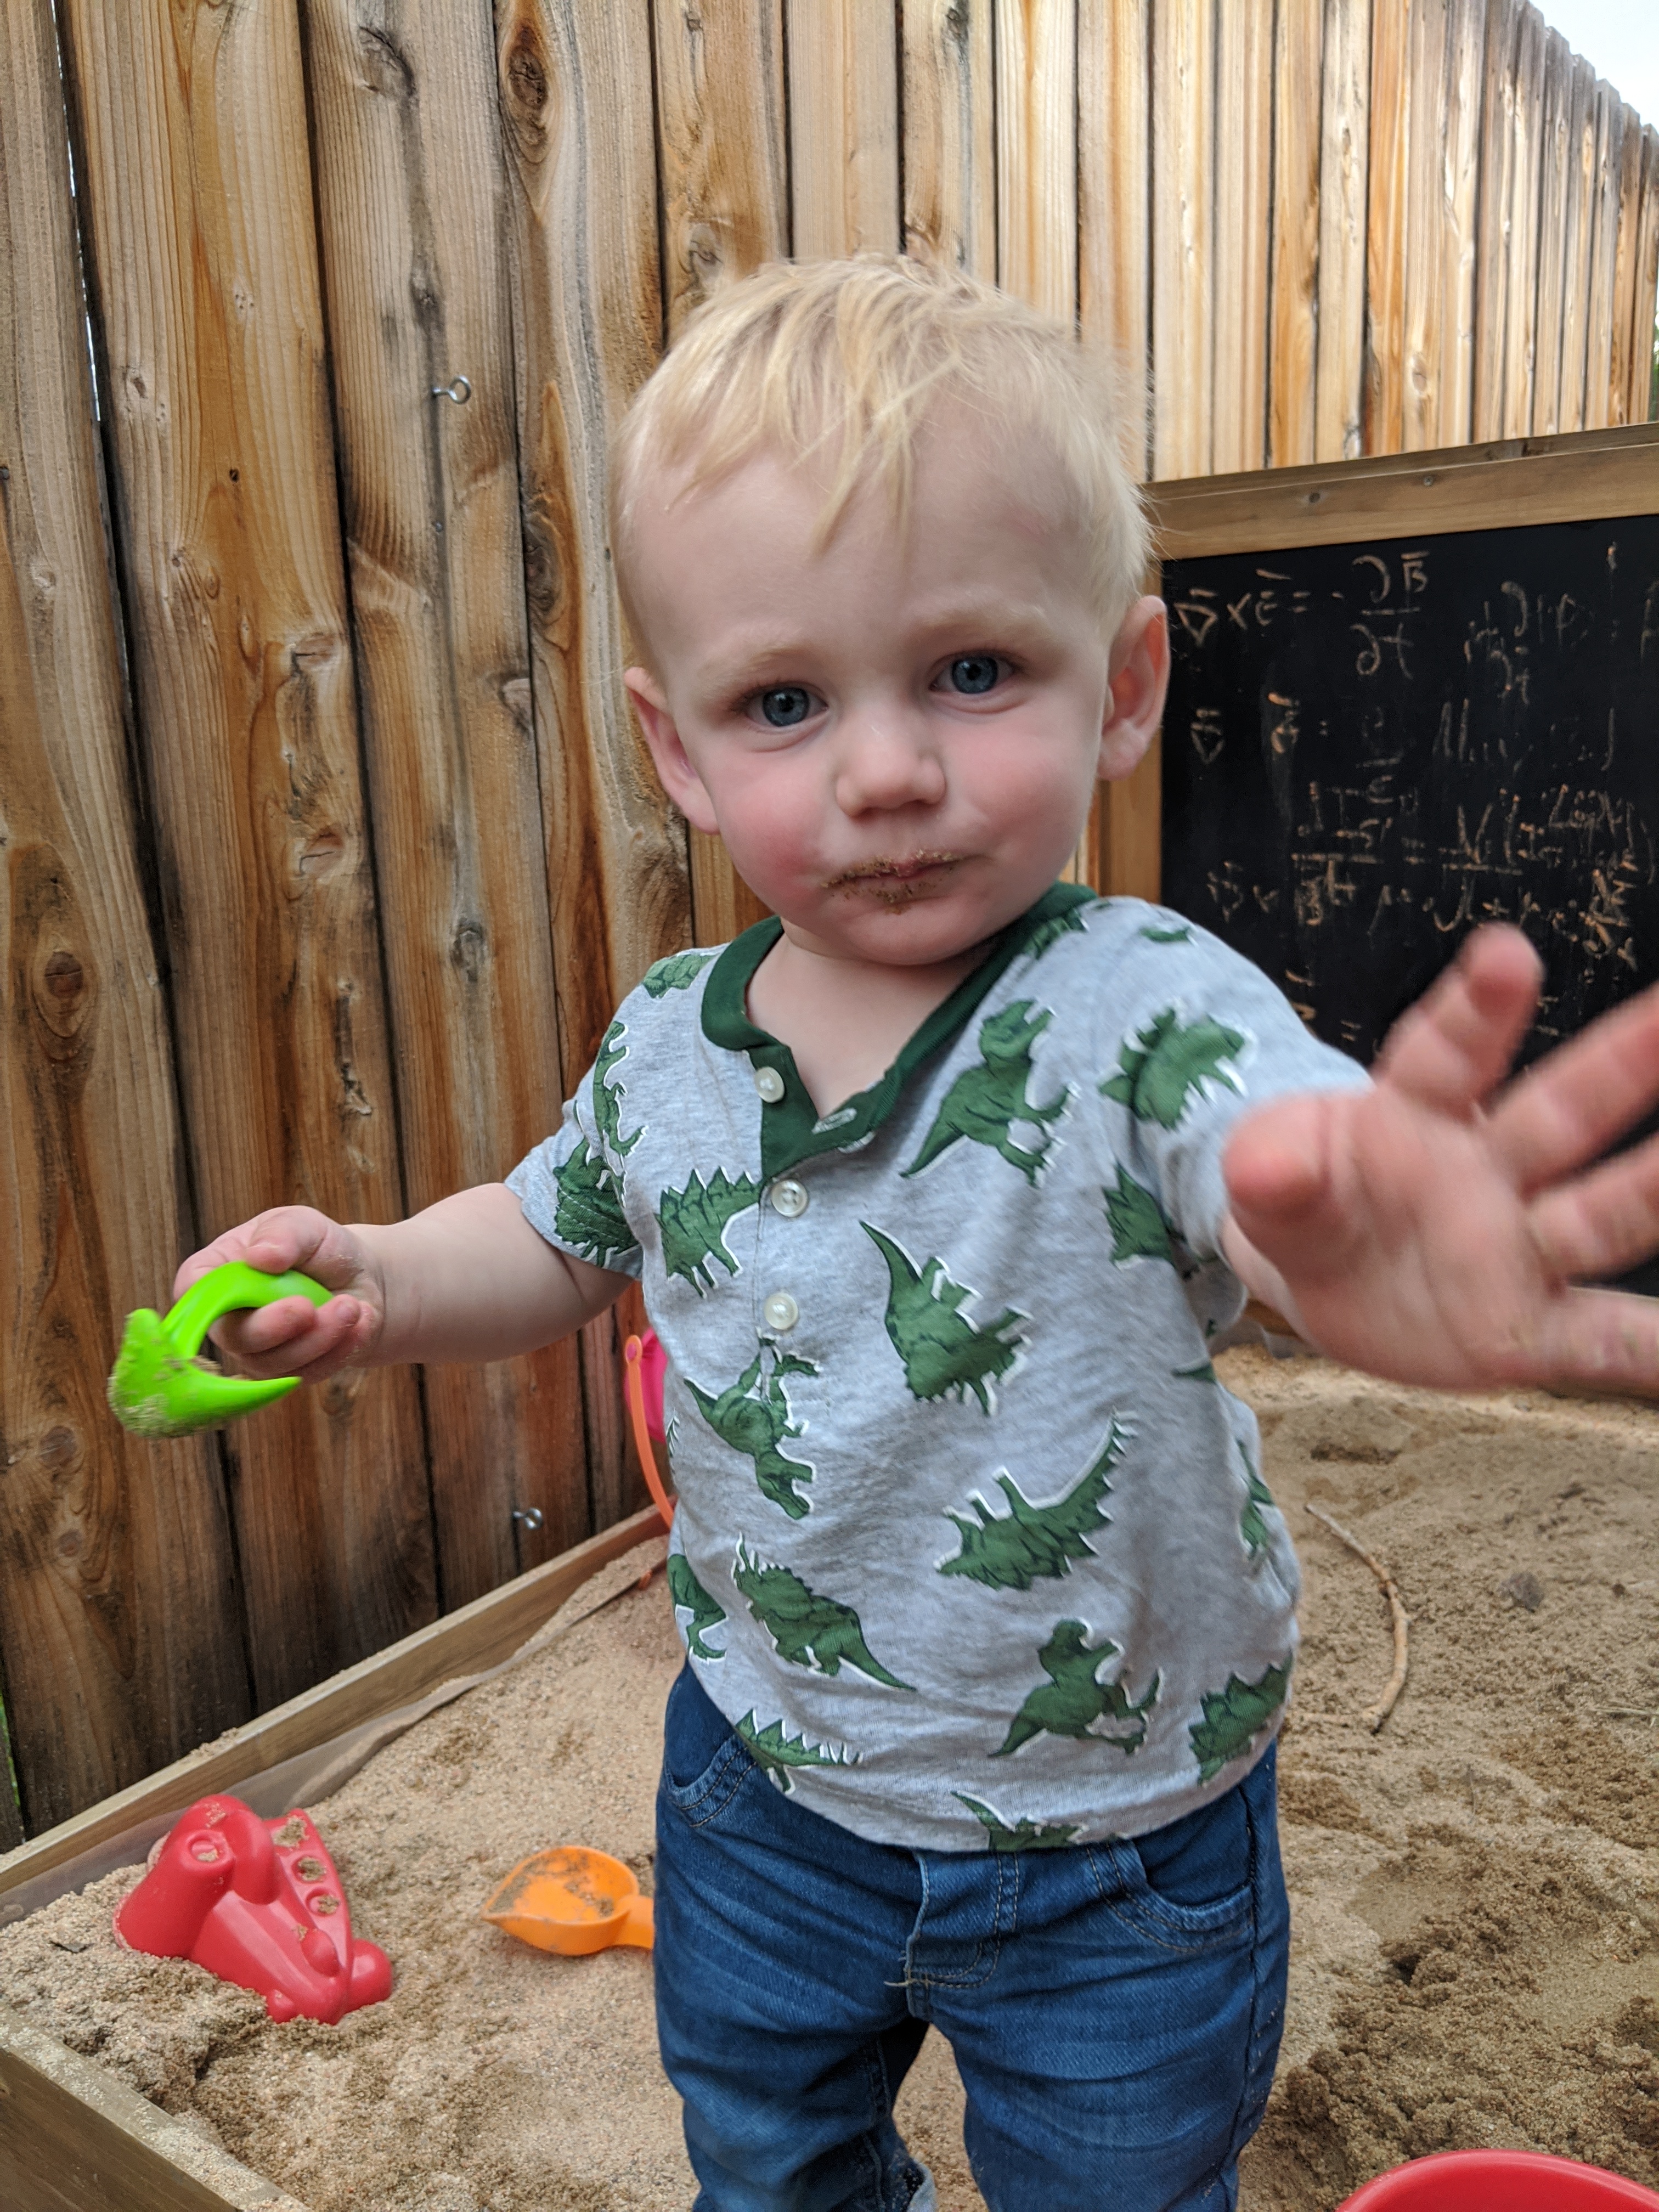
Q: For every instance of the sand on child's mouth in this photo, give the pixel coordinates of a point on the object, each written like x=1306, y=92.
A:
x=1476, y=1889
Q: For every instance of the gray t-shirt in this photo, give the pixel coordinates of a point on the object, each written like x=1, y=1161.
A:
x=972, y=1546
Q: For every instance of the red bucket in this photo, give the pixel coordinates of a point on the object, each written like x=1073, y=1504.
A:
x=1499, y=2181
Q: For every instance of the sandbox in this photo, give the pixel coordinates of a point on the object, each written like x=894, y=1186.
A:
x=1476, y=1886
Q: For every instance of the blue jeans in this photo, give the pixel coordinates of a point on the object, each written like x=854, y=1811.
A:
x=1114, y=2009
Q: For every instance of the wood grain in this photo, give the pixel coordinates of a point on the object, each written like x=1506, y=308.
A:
x=1459, y=203
x=1344, y=157
x=1298, y=38
x=1115, y=188
x=119, y=1637
x=1647, y=281
x=1624, y=344
x=1553, y=203
x=1243, y=235
x=1577, y=219
x=1607, y=202
x=843, y=127
x=411, y=202
x=1599, y=473
x=721, y=145
x=1428, y=95
x=1183, y=154
x=1385, y=232
x=574, y=79
x=1520, y=343
x=949, y=143
x=196, y=199
x=1495, y=215
x=1036, y=152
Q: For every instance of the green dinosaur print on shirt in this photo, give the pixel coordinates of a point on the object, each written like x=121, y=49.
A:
x=689, y=1595
x=1171, y=1065
x=1057, y=926
x=1235, y=1716
x=776, y=1753
x=1181, y=935
x=984, y=1102
x=1139, y=1231
x=693, y=1225
x=1072, y=1699
x=608, y=1097
x=753, y=1417
x=1251, y=1526
x=589, y=1213
x=1202, y=1370
x=809, y=1631
x=941, y=1350
x=677, y=973
x=1010, y=1551
x=1025, y=1836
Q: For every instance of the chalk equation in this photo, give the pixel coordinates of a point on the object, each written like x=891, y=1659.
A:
x=1369, y=750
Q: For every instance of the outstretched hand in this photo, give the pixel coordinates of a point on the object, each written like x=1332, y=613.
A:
x=1439, y=1228
x=291, y=1336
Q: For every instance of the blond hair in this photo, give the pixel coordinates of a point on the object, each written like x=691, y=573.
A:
x=842, y=362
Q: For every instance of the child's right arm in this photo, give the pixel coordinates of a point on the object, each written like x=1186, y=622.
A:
x=468, y=1279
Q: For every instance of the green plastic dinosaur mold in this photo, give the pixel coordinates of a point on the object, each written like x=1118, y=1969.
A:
x=159, y=1387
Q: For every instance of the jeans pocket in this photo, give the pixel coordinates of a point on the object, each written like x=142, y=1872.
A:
x=701, y=1744
x=1173, y=1924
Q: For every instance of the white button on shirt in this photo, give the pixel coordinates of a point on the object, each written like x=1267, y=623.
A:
x=781, y=1312
x=789, y=1198
x=769, y=1083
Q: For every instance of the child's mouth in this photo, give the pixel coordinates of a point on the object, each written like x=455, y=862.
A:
x=896, y=882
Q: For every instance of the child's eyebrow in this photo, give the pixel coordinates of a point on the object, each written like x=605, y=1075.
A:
x=978, y=623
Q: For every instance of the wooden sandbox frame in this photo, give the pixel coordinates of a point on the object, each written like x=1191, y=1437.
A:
x=74, y=2138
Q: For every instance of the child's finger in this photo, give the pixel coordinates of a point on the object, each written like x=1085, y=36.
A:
x=291, y=1336
x=1605, y=1221
x=1455, y=1045
x=1603, y=1340
x=1570, y=1107
x=1278, y=1174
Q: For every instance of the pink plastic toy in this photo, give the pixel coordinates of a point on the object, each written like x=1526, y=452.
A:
x=1500, y=2181
x=258, y=1903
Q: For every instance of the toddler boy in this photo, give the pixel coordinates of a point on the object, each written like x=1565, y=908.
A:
x=939, y=1188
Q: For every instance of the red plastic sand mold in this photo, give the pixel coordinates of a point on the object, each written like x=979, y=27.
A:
x=258, y=1903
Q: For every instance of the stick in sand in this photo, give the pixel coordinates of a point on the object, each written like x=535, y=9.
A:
x=1375, y=1715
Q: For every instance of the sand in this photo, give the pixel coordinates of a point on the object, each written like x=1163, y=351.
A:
x=1476, y=1889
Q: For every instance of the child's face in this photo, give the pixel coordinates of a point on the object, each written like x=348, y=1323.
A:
x=897, y=734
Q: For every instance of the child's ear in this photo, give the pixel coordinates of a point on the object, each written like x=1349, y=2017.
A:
x=679, y=779
x=1140, y=677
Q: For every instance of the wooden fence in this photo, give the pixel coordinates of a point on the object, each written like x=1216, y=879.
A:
x=328, y=845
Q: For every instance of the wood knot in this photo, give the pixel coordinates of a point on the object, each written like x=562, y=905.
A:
x=322, y=855
x=66, y=979
x=524, y=79
x=57, y=1449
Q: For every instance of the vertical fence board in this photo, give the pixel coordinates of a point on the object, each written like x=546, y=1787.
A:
x=1183, y=170
x=725, y=210
x=1576, y=264
x=574, y=82
x=1465, y=41
x=949, y=136
x=411, y=199
x=1344, y=156
x=198, y=194
x=1642, y=408
x=1243, y=232
x=1521, y=282
x=1297, y=60
x=1495, y=215
x=1113, y=307
x=1606, y=201
x=1629, y=218
x=1426, y=303
x=1385, y=230
x=1035, y=49
x=1553, y=205
x=843, y=127
x=119, y=1647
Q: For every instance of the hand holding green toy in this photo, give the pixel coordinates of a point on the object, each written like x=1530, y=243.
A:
x=159, y=1387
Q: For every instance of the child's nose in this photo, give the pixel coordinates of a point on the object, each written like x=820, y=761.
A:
x=883, y=762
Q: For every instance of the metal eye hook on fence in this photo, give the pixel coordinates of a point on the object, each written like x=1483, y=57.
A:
x=529, y=1515
x=459, y=389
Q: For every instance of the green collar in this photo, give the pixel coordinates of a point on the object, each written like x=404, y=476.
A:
x=791, y=1130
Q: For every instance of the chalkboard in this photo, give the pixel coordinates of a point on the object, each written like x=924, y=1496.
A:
x=1370, y=748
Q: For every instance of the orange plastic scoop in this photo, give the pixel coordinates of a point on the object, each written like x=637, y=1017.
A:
x=572, y=1900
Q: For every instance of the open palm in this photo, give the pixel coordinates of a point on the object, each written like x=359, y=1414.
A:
x=1440, y=1228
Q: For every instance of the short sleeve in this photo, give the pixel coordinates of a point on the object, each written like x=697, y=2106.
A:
x=572, y=1195
x=1206, y=1040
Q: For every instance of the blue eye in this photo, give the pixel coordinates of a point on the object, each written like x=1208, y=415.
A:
x=975, y=672
x=785, y=705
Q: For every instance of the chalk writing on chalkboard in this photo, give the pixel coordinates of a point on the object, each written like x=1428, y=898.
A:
x=1369, y=749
